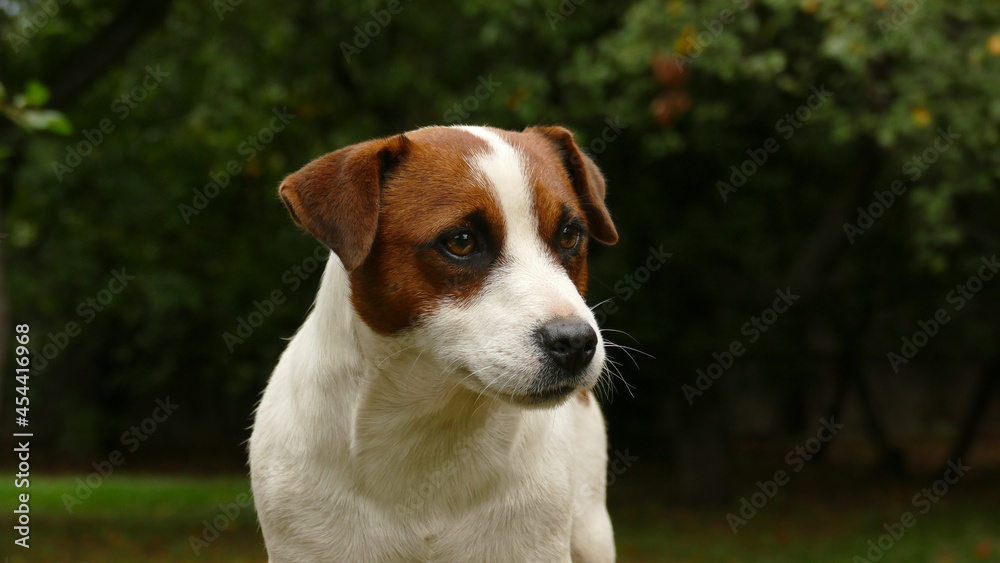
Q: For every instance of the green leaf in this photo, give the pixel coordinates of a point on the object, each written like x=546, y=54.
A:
x=36, y=94
x=60, y=125
x=45, y=120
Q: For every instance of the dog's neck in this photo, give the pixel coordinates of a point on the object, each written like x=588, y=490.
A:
x=403, y=392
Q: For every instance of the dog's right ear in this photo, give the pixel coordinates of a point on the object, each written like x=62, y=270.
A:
x=588, y=182
x=336, y=197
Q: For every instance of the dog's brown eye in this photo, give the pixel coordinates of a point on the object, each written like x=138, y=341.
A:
x=461, y=244
x=569, y=237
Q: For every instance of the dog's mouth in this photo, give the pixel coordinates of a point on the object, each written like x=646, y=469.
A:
x=540, y=397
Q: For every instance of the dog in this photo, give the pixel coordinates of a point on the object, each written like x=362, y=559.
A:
x=437, y=403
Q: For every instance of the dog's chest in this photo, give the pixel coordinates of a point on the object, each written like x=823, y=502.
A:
x=484, y=533
x=471, y=494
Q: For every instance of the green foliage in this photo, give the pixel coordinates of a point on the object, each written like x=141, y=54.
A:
x=26, y=110
x=155, y=146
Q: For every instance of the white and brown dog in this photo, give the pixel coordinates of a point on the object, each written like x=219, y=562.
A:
x=436, y=404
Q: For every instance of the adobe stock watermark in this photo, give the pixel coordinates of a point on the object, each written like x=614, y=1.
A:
x=564, y=10
x=27, y=26
x=925, y=499
x=223, y=7
x=796, y=459
x=122, y=107
x=292, y=278
x=628, y=285
x=914, y=168
x=252, y=146
x=228, y=513
x=752, y=329
x=619, y=465
x=87, y=310
x=613, y=129
x=957, y=298
x=697, y=43
x=785, y=127
x=132, y=439
x=365, y=33
x=435, y=479
x=897, y=15
x=462, y=110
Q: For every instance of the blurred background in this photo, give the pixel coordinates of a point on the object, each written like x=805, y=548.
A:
x=806, y=193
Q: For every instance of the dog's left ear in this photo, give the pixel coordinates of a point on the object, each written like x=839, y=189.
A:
x=588, y=182
x=336, y=197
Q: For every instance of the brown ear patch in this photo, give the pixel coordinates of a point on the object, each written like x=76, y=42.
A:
x=432, y=191
x=336, y=197
x=588, y=182
x=555, y=201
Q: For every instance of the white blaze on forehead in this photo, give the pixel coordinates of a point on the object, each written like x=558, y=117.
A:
x=503, y=169
x=533, y=278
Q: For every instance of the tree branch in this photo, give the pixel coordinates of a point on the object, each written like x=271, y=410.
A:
x=69, y=80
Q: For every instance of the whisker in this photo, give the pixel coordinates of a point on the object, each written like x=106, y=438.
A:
x=397, y=352
x=406, y=378
x=628, y=351
x=601, y=303
x=614, y=370
x=471, y=374
x=603, y=330
x=619, y=346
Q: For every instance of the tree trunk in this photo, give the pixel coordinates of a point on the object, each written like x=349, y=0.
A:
x=14, y=162
x=986, y=388
x=699, y=435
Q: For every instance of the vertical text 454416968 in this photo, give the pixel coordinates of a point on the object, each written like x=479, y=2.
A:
x=22, y=361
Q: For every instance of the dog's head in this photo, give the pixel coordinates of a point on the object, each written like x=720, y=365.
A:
x=471, y=241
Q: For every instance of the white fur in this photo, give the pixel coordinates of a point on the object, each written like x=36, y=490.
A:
x=375, y=448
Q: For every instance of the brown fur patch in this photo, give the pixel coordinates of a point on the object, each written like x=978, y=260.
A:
x=384, y=205
x=586, y=179
x=432, y=190
x=555, y=201
x=336, y=196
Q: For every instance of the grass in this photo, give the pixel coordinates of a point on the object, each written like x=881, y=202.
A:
x=129, y=519
x=823, y=514
x=831, y=518
x=793, y=532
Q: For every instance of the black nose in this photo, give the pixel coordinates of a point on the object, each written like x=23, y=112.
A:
x=569, y=342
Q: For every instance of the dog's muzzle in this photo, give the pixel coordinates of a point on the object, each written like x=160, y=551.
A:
x=569, y=344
